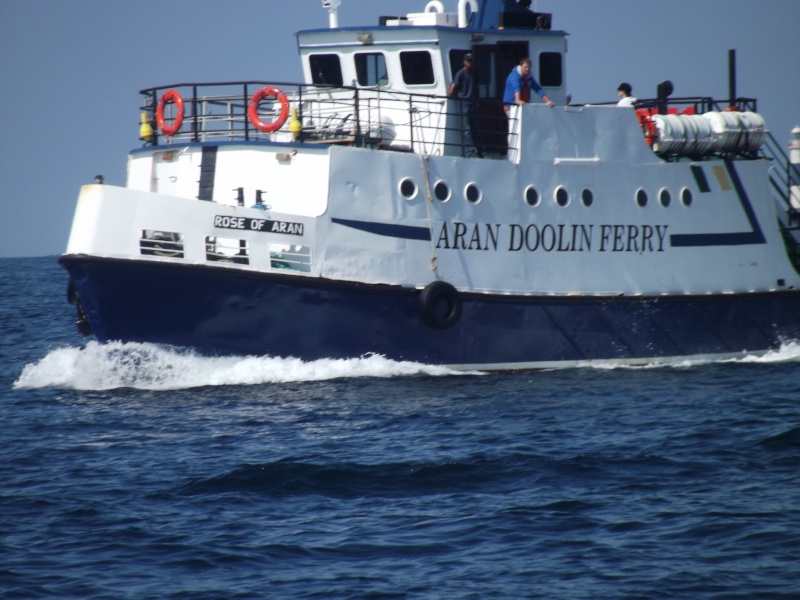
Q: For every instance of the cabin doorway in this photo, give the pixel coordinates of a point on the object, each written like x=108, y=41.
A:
x=493, y=64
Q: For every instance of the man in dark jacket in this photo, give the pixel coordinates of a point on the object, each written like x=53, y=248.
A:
x=465, y=88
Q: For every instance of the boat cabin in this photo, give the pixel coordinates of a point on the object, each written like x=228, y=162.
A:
x=408, y=64
x=417, y=55
x=383, y=86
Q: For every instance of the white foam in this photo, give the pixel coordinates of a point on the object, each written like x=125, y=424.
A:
x=150, y=367
x=788, y=352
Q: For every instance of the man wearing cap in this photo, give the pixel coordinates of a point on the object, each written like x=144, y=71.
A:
x=624, y=92
x=465, y=88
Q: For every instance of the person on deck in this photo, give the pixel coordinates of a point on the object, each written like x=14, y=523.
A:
x=624, y=92
x=519, y=84
x=465, y=88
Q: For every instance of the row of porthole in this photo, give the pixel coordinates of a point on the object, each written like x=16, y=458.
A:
x=473, y=195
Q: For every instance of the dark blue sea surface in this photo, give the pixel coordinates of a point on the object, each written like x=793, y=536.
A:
x=131, y=471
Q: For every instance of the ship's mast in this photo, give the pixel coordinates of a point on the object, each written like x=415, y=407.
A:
x=333, y=12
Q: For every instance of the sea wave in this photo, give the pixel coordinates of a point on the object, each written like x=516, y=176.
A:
x=476, y=473
x=347, y=480
x=150, y=367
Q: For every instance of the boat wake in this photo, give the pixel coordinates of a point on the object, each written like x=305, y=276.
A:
x=151, y=367
x=788, y=352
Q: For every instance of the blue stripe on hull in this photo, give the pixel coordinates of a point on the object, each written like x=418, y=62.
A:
x=229, y=311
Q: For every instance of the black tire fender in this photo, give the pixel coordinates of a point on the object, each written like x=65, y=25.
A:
x=439, y=305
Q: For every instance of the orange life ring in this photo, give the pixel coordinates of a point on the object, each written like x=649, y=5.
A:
x=170, y=96
x=647, y=125
x=255, y=101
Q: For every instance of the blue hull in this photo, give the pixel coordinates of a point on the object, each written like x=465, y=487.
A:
x=221, y=310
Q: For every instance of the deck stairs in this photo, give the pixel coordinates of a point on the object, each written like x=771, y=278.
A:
x=784, y=179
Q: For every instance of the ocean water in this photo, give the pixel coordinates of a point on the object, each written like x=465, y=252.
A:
x=137, y=472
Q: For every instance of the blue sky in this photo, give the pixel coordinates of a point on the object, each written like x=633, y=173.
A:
x=70, y=72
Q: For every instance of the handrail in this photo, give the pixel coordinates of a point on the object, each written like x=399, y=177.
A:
x=787, y=175
x=701, y=104
x=783, y=176
x=375, y=117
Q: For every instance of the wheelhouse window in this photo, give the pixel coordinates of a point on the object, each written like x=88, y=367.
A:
x=456, y=58
x=550, y=72
x=371, y=69
x=417, y=67
x=325, y=68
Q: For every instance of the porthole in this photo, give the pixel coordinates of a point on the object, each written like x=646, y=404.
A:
x=641, y=197
x=532, y=196
x=472, y=193
x=408, y=188
x=664, y=197
x=562, y=196
x=587, y=197
x=686, y=197
x=442, y=191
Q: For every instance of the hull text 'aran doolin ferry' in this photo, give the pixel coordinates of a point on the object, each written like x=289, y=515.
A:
x=366, y=211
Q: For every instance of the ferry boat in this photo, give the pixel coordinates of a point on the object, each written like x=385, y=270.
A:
x=349, y=214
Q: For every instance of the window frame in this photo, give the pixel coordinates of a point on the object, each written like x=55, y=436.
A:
x=407, y=69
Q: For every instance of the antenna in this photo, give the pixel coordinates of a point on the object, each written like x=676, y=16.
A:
x=333, y=12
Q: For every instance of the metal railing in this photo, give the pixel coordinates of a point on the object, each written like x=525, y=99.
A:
x=689, y=104
x=321, y=114
x=784, y=179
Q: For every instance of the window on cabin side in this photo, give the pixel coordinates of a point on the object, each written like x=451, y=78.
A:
x=550, y=72
x=325, y=68
x=371, y=69
x=456, y=58
x=417, y=67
